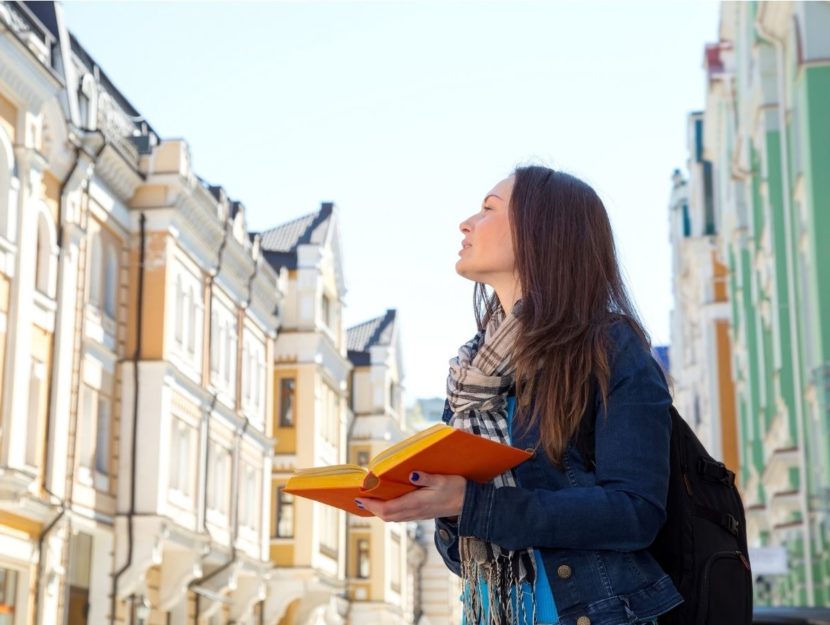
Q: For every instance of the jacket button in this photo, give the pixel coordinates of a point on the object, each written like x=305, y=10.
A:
x=583, y=620
x=444, y=535
x=564, y=572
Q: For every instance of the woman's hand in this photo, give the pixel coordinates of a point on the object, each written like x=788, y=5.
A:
x=438, y=496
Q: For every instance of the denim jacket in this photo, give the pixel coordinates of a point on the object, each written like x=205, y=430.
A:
x=592, y=527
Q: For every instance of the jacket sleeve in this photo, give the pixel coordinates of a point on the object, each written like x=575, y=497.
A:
x=625, y=509
x=446, y=540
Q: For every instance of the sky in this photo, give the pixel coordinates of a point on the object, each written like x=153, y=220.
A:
x=406, y=113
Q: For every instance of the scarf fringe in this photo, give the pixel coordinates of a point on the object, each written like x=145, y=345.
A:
x=504, y=576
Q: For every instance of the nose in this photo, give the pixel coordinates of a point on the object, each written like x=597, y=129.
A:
x=464, y=226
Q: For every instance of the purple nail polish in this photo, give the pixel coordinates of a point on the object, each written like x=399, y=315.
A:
x=415, y=476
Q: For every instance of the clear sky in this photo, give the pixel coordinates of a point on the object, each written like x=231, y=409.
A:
x=406, y=113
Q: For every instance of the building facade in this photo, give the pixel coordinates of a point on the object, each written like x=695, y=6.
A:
x=163, y=370
x=767, y=136
x=136, y=356
x=310, y=419
x=701, y=357
x=380, y=582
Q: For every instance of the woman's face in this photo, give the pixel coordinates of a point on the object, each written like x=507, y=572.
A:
x=486, y=254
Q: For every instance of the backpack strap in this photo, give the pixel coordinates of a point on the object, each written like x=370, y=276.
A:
x=724, y=519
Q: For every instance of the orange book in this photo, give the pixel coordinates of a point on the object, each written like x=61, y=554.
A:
x=440, y=449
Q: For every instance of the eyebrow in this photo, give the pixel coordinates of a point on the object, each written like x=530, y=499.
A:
x=492, y=195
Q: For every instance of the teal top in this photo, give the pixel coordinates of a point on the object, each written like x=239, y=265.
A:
x=546, y=613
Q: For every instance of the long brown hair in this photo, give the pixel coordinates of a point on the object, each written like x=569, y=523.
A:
x=572, y=291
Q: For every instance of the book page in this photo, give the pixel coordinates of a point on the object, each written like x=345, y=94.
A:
x=407, y=442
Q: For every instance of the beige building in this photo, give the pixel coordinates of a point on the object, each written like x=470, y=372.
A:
x=384, y=558
x=137, y=350
x=149, y=408
x=311, y=373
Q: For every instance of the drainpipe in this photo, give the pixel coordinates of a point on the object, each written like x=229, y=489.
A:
x=133, y=459
x=237, y=459
x=42, y=537
x=50, y=390
x=778, y=44
x=206, y=417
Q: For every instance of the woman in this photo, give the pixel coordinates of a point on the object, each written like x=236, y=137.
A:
x=558, y=539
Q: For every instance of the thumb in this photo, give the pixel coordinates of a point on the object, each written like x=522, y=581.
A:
x=419, y=478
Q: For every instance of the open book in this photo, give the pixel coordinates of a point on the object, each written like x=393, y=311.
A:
x=439, y=449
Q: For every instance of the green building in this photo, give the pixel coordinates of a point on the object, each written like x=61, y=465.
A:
x=766, y=133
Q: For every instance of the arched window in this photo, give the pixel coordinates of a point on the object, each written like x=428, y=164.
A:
x=192, y=317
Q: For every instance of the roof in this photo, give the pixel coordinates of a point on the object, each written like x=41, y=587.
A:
x=362, y=337
x=280, y=243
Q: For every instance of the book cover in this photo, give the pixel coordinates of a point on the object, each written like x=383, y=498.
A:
x=440, y=449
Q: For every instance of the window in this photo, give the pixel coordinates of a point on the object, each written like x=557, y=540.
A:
x=214, y=345
x=111, y=281
x=102, y=436
x=180, y=457
x=188, y=318
x=395, y=573
x=253, y=377
x=95, y=431
x=80, y=563
x=85, y=434
x=220, y=462
x=193, y=319
x=329, y=538
x=363, y=565
x=326, y=309
x=223, y=348
x=284, y=527
x=8, y=594
x=180, y=308
x=95, y=261
x=247, y=497
x=363, y=458
x=287, y=388
x=6, y=173
x=43, y=255
x=36, y=406
x=331, y=415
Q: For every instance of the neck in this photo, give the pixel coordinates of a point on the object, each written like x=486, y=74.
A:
x=508, y=293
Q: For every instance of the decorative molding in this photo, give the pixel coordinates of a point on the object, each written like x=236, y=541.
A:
x=119, y=176
x=31, y=88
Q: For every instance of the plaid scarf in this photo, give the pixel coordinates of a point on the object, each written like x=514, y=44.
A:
x=477, y=387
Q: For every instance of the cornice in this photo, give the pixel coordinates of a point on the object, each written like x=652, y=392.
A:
x=119, y=176
x=32, y=87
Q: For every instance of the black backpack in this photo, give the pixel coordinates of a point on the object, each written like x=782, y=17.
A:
x=702, y=545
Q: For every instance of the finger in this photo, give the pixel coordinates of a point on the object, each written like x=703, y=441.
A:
x=420, y=478
x=375, y=506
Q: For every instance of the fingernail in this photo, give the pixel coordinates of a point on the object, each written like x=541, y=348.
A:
x=415, y=477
